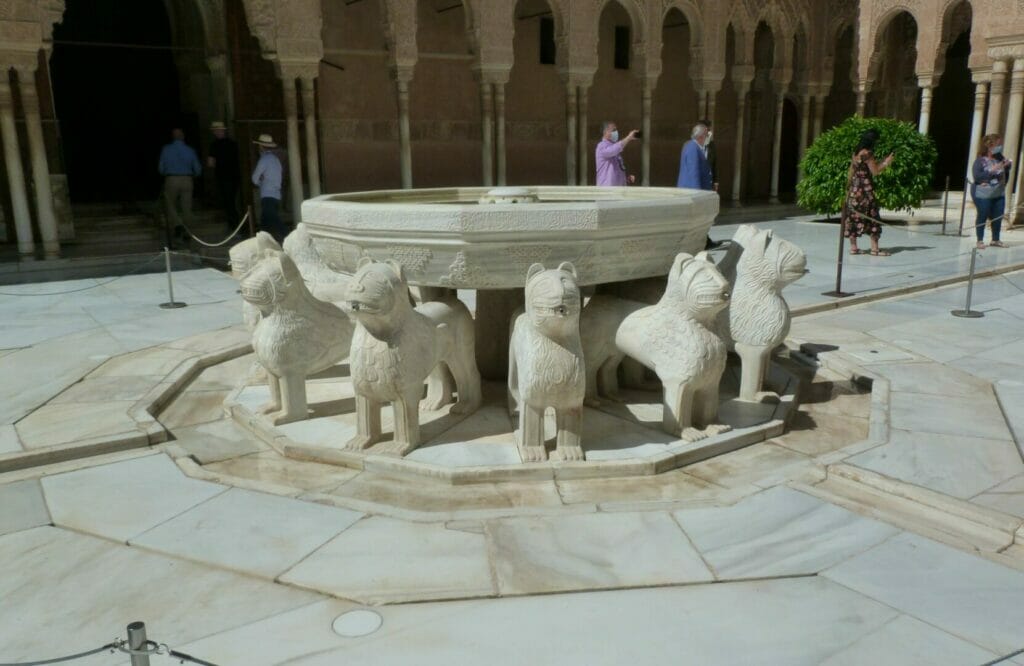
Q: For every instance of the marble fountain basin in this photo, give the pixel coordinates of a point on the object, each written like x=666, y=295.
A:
x=487, y=238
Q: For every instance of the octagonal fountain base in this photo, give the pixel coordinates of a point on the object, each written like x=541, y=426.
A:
x=620, y=438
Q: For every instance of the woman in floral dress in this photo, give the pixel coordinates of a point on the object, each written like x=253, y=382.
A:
x=860, y=214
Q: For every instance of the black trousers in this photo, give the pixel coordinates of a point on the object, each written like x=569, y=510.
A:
x=227, y=193
x=270, y=218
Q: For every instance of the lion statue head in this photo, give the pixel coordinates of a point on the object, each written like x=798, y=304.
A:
x=553, y=300
x=271, y=281
x=767, y=260
x=696, y=287
x=377, y=294
x=245, y=254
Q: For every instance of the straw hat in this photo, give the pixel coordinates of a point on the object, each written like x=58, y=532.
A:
x=217, y=125
x=266, y=141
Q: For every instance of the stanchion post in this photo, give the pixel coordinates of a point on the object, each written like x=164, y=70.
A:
x=967, y=311
x=137, y=641
x=963, y=208
x=839, y=293
x=945, y=206
x=171, y=303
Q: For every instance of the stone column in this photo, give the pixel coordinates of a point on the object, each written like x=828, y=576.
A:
x=742, y=87
x=712, y=98
x=1011, y=140
x=571, y=171
x=994, y=122
x=645, y=159
x=862, y=96
x=926, y=104
x=291, y=113
x=819, y=115
x=702, y=104
x=977, y=126
x=404, y=135
x=805, y=123
x=40, y=168
x=487, y=125
x=15, y=176
x=777, y=147
x=499, y=113
x=312, y=150
x=584, y=143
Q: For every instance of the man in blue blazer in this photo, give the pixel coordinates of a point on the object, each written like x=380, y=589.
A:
x=694, y=169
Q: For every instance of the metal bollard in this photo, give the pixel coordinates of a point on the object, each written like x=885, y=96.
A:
x=963, y=207
x=945, y=207
x=137, y=641
x=839, y=293
x=171, y=303
x=967, y=311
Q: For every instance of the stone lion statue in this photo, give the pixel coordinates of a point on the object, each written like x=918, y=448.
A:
x=546, y=363
x=759, y=266
x=244, y=256
x=396, y=346
x=674, y=339
x=296, y=336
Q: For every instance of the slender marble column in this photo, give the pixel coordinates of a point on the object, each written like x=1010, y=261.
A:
x=712, y=98
x=404, y=135
x=584, y=143
x=487, y=124
x=777, y=147
x=571, y=171
x=312, y=149
x=862, y=100
x=499, y=112
x=977, y=125
x=741, y=114
x=645, y=160
x=40, y=168
x=702, y=104
x=819, y=115
x=926, y=109
x=291, y=113
x=15, y=176
x=993, y=125
x=1011, y=140
x=805, y=123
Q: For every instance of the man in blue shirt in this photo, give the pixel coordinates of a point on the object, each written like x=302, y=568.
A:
x=179, y=165
x=694, y=170
x=267, y=176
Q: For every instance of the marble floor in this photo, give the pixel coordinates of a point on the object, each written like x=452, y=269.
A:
x=880, y=528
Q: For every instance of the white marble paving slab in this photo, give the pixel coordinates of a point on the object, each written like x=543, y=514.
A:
x=952, y=464
x=271, y=467
x=9, y=440
x=383, y=560
x=63, y=423
x=121, y=500
x=153, y=361
x=957, y=592
x=103, y=389
x=977, y=416
x=906, y=641
x=796, y=622
x=1010, y=394
x=85, y=590
x=22, y=506
x=591, y=551
x=931, y=378
x=218, y=440
x=778, y=532
x=944, y=337
x=247, y=531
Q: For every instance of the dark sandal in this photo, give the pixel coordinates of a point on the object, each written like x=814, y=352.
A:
x=880, y=253
x=855, y=251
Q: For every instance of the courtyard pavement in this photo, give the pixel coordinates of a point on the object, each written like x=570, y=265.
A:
x=881, y=529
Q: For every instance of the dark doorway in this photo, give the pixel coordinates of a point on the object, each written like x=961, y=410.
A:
x=952, y=113
x=117, y=97
x=790, y=156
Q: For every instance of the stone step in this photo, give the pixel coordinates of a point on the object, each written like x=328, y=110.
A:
x=952, y=521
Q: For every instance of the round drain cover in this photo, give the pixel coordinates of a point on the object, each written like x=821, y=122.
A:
x=354, y=624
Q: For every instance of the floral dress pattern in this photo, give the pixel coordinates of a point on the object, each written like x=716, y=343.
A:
x=861, y=209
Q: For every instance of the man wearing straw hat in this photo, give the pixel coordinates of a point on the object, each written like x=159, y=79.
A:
x=223, y=160
x=179, y=165
x=267, y=176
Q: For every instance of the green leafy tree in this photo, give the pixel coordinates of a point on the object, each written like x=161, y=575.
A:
x=900, y=187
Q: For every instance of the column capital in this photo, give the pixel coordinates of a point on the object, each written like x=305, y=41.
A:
x=925, y=81
x=999, y=66
x=289, y=71
x=493, y=74
x=578, y=78
x=742, y=76
x=403, y=73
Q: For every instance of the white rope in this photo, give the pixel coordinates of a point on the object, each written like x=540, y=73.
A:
x=223, y=242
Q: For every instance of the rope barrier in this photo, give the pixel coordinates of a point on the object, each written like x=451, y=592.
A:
x=147, y=648
x=109, y=646
x=223, y=242
x=94, y=286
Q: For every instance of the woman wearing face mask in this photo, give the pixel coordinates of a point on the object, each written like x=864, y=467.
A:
x=990, y=172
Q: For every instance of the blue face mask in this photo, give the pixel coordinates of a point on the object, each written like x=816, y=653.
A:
x=996, y=150
x=614, y=135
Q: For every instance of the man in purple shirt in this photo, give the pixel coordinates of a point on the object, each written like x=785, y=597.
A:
x=611, y=170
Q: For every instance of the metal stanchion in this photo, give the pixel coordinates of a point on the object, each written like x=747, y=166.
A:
x=171, y=303
x=963, y=207
x=839, y=293
x=945, y=206
x=137, y=641
x=967, y=311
